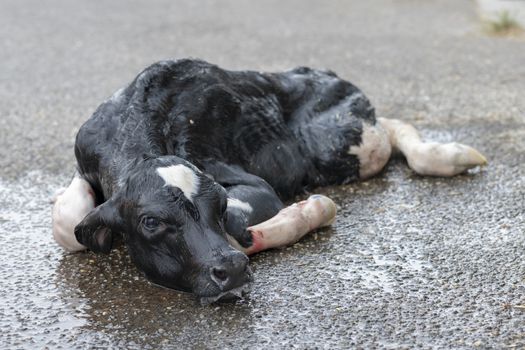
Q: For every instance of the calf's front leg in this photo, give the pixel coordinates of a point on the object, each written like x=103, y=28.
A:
x=255, y=219
x=70, y=207
x=291, y=224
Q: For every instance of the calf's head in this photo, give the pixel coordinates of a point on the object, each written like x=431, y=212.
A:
x=171, y=217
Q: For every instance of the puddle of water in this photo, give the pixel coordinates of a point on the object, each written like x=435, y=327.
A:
x=52, y=299
x=32, y=311
x=393, y=251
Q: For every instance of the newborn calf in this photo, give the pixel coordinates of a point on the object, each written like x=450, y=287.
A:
x=190, y=164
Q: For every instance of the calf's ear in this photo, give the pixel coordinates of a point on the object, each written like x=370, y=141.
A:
x=95, y=230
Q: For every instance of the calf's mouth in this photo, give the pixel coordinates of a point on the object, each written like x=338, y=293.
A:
x=230, y=295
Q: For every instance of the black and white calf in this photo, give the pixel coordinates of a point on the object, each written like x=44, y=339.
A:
x=190, y=162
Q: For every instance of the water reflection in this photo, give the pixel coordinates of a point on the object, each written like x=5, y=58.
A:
x=60, y=299
x=112, y=295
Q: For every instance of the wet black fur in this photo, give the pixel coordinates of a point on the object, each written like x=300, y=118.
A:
x=252, y=133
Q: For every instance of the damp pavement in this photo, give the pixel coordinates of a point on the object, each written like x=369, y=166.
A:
x=411, y=262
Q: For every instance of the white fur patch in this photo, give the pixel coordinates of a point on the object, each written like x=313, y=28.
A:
x=182, y=177
x=374, y=151
x=71, y=206
x=237, y=203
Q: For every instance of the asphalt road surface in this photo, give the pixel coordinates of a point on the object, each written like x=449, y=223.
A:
x=411, y=262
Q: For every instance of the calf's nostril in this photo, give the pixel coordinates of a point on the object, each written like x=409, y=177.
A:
x=220, y=273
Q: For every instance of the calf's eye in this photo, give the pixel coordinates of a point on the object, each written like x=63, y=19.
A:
x=150, y=223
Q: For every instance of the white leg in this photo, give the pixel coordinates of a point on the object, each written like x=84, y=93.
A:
x=70, y=207
x=431, y=158
x=290, y=224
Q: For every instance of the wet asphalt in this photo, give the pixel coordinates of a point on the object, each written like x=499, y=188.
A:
x=411, y=262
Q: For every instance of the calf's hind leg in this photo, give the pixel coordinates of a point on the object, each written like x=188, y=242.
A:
x=430, y=158
x=373, y=151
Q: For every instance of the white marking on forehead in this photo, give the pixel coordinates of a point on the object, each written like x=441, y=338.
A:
x=182, y=177
x=236, y=203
